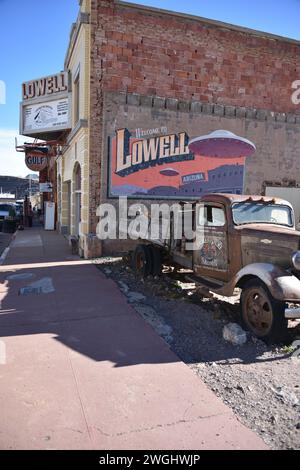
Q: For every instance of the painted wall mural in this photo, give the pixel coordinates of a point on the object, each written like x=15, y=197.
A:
x=161, y=166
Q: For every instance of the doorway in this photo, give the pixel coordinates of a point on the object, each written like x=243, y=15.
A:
x=77, y=198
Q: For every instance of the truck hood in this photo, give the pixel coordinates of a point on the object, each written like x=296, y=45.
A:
x=261, y=243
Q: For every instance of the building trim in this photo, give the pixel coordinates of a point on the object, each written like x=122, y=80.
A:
x=172, y=104
x=215, y=23
x=83, y=18
x=81, y=124
x=285, y=183
x=44, y=99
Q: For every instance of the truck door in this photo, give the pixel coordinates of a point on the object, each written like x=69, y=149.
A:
x=211, y=253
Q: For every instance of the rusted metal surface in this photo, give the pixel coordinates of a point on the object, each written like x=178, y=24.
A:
x=259, y=250
x=282, y=284
x=257, y=311
x=250, y=243
x=212, y=255
x=261, y=242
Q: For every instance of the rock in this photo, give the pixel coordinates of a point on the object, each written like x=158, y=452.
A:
x=107, y=270
x=151, y=317
x=124, y=287
x=204, y=292
x=286, y=396
x=135, y=297
x=234, y=334
x=273, y=419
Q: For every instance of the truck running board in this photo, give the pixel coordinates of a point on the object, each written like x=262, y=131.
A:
x=206, y=286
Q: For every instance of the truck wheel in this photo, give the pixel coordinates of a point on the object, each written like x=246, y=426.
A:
x=156, y=259
x=261, y=313
x=141, y=261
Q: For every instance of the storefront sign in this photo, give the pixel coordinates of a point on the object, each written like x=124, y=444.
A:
x=45, y=188
x=36, y=162
x=45, y=107
x=49, y=116
x=46, y=86
x=162, y=166
x=150, y=152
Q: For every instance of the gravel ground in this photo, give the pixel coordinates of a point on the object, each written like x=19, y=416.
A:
x=260, y=383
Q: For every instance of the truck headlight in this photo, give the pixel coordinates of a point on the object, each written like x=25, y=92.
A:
x=296, y=260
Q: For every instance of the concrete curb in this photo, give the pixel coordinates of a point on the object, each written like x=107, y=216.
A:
x=4, y=255
x=6, y=251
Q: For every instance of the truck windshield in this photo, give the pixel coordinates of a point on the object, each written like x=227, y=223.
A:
x=254, y=212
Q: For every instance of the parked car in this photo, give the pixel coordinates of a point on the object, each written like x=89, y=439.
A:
x=7, y=210
x=246, y=242
x=7, y=214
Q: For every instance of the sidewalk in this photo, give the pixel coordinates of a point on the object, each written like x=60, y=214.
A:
x=84, y=371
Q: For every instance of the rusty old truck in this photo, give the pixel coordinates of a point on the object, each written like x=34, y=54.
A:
x=245, y=242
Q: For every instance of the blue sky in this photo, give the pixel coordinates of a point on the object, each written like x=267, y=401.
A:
x=280, y=17
x=34, y=37
x=33, y=41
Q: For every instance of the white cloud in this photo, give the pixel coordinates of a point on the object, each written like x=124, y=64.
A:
x=12, y=163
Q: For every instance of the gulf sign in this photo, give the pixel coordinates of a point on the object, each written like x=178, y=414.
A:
x=36, y=162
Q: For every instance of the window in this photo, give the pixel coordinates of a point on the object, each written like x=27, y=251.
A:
x=77, y=178
x=211, y=216
x=255, y=212
x=76, y=98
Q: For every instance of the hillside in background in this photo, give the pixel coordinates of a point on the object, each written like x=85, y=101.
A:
x=18, y=186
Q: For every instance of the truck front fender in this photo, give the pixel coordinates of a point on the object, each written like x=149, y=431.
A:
x=282, y=284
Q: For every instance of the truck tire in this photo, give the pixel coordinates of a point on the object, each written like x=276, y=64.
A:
x=141, y=260
x=261, y=313
x=156, y=260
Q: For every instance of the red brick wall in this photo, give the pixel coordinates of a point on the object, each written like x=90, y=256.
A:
x=155, y=54
x=163, y=55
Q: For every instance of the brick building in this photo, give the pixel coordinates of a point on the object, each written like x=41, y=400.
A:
x=144, y=81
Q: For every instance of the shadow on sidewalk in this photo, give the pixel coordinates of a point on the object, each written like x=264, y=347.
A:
x=86, y=312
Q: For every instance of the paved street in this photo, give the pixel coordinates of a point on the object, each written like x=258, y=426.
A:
x=84, y=371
